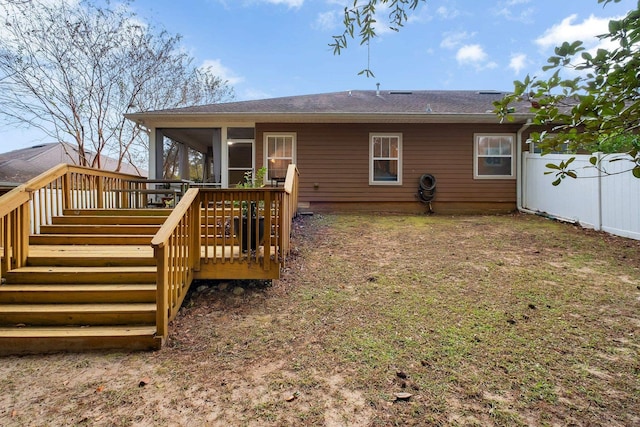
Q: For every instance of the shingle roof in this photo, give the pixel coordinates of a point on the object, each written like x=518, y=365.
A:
x=19, y=166
x=362, y=101
x=355, y=106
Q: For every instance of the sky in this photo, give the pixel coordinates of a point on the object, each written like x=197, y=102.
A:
x=273, y=48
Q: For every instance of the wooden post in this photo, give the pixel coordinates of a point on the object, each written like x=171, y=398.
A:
x=196, y=233
x=66, y=190
x=266, y=235
x=23, y=213
x=5, y=223
x=162, y=288
x=100, y=191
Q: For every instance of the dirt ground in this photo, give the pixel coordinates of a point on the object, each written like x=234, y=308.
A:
x=378, y=320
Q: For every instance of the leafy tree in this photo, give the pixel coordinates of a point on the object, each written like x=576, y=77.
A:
x=596, y=110
x=361, y=17
x=599, y=110
x=73, y=69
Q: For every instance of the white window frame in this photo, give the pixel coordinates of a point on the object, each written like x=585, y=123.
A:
x=266, y=137
x=372, y=159
x=477, y=156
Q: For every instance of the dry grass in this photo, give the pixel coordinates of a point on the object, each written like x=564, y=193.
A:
x=492, y=320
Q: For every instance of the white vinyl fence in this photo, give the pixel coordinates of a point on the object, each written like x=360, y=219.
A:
x=608, y=202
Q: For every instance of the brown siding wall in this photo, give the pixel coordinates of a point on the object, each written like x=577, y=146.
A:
x=333, y=160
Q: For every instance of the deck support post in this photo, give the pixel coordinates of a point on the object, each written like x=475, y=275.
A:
x=162, y=297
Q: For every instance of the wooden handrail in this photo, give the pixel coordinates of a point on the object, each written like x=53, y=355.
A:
x=13, y=199
x=292, y=176
x=176, y=246
x=164, y=233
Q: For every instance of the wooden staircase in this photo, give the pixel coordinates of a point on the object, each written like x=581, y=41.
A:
x=89, y=284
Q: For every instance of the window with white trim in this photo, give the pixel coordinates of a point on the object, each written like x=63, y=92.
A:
x=494, y=156
x=385, y=159
x=280, y=152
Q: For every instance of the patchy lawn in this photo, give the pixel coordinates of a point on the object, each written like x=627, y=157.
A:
x=480, y=320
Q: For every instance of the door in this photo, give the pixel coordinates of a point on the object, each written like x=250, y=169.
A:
x=241, y=160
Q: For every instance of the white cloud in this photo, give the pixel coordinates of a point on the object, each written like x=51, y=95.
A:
x=452, y=40
x=475, y=56
x=447, y=13
x=327, y=21
x=518, y=62
x=471, y=53
x=221, y=71
x=568, y=30
x=512, y=11
x=288, y=3
x=382, y=24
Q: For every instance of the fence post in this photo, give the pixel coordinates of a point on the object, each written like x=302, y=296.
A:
x=598, y=224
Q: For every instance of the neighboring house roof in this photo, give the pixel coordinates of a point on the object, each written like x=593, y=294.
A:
x=354, y=106
x=19, y=166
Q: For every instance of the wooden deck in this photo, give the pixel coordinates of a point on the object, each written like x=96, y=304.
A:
x=39, y=254
x=80, y=273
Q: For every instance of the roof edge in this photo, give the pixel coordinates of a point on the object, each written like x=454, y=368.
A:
x=162, y=119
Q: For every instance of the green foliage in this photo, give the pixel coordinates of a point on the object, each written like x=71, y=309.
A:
x=597, y=111
x=562, y=169
x=616, y=144
x=253, y=182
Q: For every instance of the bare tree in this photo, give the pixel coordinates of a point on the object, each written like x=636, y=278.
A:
x=74, y=69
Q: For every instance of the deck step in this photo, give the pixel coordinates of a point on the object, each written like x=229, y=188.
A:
x=77, y=293
x=108, y=229
x=118, y=212
x=23, y=340
x=88, y=261
x=109, y=220
x=107, y=275
x=96, y=256
x=89, y=239
x=77, y=314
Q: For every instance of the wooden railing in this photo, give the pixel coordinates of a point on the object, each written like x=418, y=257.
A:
x=210, y=226
x=249, y=225
x=29, y=206
x=14, y=224
x=177, y=251
x=291, y=185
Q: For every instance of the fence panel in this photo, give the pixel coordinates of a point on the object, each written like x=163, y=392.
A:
x=608, y=202
x=620, y=201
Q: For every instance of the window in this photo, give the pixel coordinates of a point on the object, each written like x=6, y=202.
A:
x=385, y=159
x=280, y=152
x=494, y=156
x=562, y=148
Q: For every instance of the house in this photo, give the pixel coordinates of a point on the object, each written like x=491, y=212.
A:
x=358, y=150
x=19, y=166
